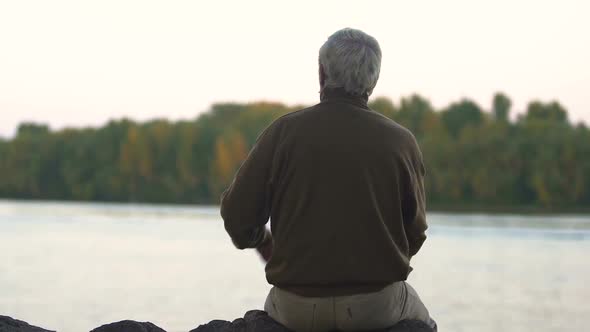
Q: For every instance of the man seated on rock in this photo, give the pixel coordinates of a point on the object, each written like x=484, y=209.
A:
x=344, y=189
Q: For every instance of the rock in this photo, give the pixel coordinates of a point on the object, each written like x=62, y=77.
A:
x=129, y=326
x=259, y=321
x=8, y=324
x=253, y=321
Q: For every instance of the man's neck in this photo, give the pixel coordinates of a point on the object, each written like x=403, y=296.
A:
x=327, y=94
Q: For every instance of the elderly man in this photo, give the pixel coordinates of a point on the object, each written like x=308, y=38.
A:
x=344, y=189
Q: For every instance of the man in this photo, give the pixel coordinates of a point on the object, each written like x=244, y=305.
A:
x=343, y=187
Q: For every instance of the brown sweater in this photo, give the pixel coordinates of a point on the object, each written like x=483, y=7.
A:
x=344, y=189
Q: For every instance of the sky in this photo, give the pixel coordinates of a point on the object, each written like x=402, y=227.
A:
x=81, y=63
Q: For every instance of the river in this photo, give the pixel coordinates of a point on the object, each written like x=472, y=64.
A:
x=74, y=266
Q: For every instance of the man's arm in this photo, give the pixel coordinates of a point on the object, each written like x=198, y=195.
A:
x=414, y=201
x=245, y=204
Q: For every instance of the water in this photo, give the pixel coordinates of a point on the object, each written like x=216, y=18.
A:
x=72, y=267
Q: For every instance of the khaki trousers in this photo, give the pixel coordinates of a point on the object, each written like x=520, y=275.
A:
x=370, y=311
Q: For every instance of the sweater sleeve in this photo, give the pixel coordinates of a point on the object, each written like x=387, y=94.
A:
x=414, y=201
x=245, y=204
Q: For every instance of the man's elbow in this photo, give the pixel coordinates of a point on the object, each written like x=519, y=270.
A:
x=241, y=245
x=239, y=240
x=416, y=243
x=246, y=239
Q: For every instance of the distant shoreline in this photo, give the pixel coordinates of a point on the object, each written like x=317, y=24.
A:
x=433, y=208
x=515, y=209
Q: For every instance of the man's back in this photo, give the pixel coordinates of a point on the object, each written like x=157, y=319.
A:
x=345, y=198
x=344, y=189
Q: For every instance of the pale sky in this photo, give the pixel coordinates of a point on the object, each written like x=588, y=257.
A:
x=79, y=63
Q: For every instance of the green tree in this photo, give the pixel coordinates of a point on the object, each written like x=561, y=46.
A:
x=550, y=112
x=461, y=114
x=501, y=106
x=471, y=158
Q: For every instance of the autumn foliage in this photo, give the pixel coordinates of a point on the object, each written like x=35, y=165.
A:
x=473, y=157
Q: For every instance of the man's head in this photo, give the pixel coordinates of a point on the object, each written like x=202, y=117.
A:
x=350, y=59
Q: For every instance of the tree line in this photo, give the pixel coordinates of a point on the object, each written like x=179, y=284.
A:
x=473, y=157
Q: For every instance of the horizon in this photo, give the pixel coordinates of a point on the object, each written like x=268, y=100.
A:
x=71, y=64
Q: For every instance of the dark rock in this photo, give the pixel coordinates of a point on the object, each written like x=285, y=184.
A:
x=129, y=326
x=8, y=324
x=253, y=321
x=410, y=326
x=259, y=321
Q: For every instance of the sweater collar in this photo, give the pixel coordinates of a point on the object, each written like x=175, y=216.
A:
x=339, y=94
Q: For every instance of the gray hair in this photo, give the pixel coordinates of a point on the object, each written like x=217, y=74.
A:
x=351, y=59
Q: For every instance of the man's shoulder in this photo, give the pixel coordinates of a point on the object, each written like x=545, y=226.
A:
x=380, y=122
x=278, y=125
x=287, y=120
x=296, y=114
x=401, y=130
x=395, y=134
x=391, y=126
